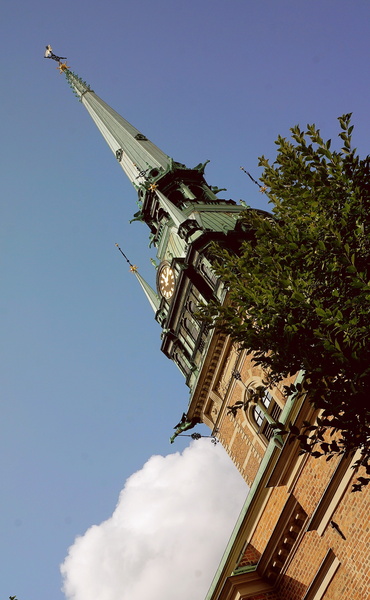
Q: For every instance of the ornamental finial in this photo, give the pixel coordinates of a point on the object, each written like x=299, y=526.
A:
x=62, y=67
x=262, y=188
x=133, y=268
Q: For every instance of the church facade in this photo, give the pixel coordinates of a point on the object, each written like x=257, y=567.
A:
x=302, y=534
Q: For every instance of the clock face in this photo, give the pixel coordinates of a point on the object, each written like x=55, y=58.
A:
x=166, y=281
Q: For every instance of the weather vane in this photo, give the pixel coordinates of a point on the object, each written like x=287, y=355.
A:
x=50, y=54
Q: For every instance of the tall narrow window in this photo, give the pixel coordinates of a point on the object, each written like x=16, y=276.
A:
x=258, y=412
x=258, y=415
x=191, y=328
x=208, y=273
x=182, y=362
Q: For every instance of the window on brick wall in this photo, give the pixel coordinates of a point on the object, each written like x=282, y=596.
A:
x=259, y=414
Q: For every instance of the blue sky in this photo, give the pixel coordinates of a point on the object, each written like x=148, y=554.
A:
x=86, y=396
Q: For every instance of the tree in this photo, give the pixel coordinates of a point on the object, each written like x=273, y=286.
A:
x=299, y=289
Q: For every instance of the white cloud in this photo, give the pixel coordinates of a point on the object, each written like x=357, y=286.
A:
x=167, y=533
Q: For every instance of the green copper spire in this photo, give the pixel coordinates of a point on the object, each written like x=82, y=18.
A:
x=184, y=216
x=152, y=297
x=135, y=153
x=174, y=201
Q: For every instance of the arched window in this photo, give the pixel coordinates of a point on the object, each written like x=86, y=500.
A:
x=192, y=307
x=271, y=408
x=258, y=413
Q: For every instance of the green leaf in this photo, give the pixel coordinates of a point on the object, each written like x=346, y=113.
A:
x=293, y=429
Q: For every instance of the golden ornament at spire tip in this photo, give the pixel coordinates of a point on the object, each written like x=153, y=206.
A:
x=62, y=67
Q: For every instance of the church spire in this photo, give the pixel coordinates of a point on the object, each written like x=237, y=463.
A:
x=184, y=216
x=138, y=157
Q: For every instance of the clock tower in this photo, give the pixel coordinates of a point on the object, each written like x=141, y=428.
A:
x=184, y=216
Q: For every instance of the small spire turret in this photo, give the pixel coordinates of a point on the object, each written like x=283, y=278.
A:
x=147, y=289
x=176, y=215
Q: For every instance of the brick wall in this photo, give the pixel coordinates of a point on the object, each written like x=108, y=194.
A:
x=250, y=556
x=352, y=516
x=352, y=579
x=240, y=444
x=311, y=485
x=238, y=435
x=269, y=518
x=265, y=596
